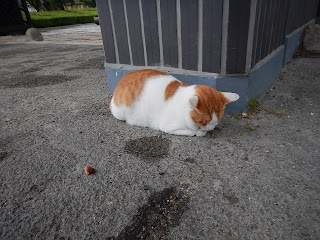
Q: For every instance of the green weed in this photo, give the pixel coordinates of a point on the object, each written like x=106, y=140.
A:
x=250, y=128
x=254, y=104
x=236, y=116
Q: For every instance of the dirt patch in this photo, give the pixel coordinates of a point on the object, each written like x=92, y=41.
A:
x=30, y=81
x=163, y=211
x=32, y=70
x=93, y=63
x=231, y=198
x=149, y=148
x=3, y=155
x=190, y=160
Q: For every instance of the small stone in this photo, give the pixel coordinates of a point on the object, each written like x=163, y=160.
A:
x=244, y=114
x=34, y=34
x=89, y=170
x=96, y=20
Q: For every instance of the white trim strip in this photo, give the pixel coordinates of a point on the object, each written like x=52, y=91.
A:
x=224, y=38
x=114, y=33
x=179, y=38
x=200, y=34
x=253, y=11
x=143, y=35
x=127, y=27
x=160, y=33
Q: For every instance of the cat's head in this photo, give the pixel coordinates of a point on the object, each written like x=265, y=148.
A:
x=208, y=106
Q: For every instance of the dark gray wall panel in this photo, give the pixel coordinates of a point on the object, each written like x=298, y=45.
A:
x=106, y=31
x=256, y=33
x=261, y=29
x=273, y=16
x=212, y=23
x=284, y=20
x=169, y=32
x=267, y=32
x=239, y=13
x=149, y=9
x=120, y=31
x=290, y=16
x=189, y=34
x=276, y=29
x=134, y=25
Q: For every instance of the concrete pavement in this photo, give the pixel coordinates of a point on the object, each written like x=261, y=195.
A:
x=253, y=177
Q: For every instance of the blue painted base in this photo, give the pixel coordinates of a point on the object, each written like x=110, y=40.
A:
x=256, y=83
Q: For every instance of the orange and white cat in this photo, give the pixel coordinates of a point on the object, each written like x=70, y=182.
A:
x=150, y=98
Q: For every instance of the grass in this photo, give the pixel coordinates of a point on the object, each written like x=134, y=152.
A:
x=254, y=105
x=236, y=116
x=250, y=128
x=66, y=17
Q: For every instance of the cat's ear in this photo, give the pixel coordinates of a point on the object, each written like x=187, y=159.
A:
x=231, y=97
x=193, y=102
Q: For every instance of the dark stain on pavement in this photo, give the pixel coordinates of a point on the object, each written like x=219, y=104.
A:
x=32, y=70
x=93, y=63
x=154, y=219
x=231, y=198
x=30, y=81
x=190, y=160
x=3, y=155
x=148, y=148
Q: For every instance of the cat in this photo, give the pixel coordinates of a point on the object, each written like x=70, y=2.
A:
x=151, y=98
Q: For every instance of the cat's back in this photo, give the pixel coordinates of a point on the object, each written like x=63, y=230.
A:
x=131, y=86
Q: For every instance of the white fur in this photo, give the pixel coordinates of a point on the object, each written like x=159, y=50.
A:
x=171, y=116
x=231, y=96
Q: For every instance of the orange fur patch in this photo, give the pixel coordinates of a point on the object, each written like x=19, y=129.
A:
x=131, y=85
x=210, y=101
x=172, y=88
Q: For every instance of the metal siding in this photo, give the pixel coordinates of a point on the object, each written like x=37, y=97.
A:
x=149, y=9
x=276, y=27
x=316, y=8
x=106, y=31
x=134, y=25
x=272, y=26
x=212, y=23
x=256, y=31
x=261, y=30
x=266, y=33
x=284, y=21
x=120, y=31
x=169, y=32
x=189, y=33
x=281, y=21
x=239, y=14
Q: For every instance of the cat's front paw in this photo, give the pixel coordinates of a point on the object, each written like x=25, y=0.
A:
x=201, y=133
